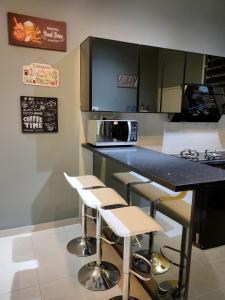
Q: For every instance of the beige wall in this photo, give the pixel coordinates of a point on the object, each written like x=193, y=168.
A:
x=32, y=188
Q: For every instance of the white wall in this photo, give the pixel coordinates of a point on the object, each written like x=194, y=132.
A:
x=31, y=184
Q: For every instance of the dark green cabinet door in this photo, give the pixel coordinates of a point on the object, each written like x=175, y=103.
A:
x=195, y=68
x=114, y=76
x=172, y=80
x=150, y=79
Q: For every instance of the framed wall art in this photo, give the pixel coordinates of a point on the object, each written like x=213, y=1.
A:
x=41, y=74
x=28, y=31
x=39, y=114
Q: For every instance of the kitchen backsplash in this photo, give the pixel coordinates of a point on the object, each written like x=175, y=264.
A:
x=155, y=131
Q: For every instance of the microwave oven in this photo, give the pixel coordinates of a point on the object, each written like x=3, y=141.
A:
x=112, y=132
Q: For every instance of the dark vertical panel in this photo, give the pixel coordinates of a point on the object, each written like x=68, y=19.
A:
x=173, y=80
x=109, y=60
x=85, y=74
x=150, y=79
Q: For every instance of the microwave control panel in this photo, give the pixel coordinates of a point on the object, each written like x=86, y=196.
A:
x=133, y=135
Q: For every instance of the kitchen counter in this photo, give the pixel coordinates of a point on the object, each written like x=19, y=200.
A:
x=179, y=174
x=172, y=172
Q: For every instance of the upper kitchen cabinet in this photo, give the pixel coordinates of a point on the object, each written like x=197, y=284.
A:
x=172, y=80
x=195, y=68
x=150, y=79
x=109, y=75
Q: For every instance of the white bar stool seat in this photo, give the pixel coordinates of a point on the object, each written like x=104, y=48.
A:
x=100, y=275
x=84, y=181
x=100, y=197
x=127, y=222
x=85, y=245
x=129, y=179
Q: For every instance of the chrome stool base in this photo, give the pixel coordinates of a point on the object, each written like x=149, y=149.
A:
x=96, y=278
x=159, y=263
x=121, y=298
x=82, y=247
x=168, y=286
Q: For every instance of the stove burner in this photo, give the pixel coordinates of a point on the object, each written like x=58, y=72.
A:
x=190, y=154
x=212, y=155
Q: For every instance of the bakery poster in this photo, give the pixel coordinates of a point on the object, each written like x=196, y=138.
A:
x=39, y=114
x=36, y=32
x=40, y=74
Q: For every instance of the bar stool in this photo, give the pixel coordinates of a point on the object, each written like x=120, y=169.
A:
x=85, y=245
x=100, y=275
x=154, y=193
x=127, y=222
x=129, y=179
x=179, y=211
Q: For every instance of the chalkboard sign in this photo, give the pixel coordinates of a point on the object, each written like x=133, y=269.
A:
x=39, y=114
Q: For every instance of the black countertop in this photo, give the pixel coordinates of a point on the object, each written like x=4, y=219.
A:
x=172, y=172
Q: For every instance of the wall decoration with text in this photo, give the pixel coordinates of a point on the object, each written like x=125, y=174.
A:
x=41, y=74
x=36, y=32
x=39, y=114
x=127, y=81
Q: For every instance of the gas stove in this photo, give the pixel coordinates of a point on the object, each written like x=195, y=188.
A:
x=208, y=156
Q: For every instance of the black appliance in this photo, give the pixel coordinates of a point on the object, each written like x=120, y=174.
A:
x=201, y=103
x=210, y=204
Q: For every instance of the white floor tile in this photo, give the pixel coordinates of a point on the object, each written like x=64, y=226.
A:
x=49, y=242
x=57, y=266
x=18, y=275
x=32, y=293
x=69, y=288
x=218, y=294
x=16, y=249
x=72, y=231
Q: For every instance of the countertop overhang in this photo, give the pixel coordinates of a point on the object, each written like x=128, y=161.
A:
x=172, y=172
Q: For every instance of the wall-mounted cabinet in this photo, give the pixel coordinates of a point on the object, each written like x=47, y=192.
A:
x=109, y=75
x=172, y=80
x=125, y=77
x=150, y=74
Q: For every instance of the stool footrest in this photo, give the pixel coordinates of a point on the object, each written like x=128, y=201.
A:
x=140, y=277
x=90, y=217
x=173, y=249
x=144, y=278
x=108, y=241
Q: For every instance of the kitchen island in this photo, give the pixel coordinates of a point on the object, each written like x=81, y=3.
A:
x=173, y=173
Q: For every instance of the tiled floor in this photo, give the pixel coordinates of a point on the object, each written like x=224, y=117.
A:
x=37, y=266
x=207, y=277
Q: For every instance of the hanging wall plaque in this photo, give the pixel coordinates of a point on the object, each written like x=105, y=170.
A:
x=28, y=31
x=39, y=114
x=41, y=74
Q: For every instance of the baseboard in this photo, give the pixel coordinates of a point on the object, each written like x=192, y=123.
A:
x=38, y=227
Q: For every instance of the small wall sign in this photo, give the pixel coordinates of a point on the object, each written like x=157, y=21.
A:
x=127, y=81
x=39, y=114
x=41, y=74
x=36, y=32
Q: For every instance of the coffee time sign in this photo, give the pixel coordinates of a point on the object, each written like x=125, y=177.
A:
x=39, y=114
x=36, y=32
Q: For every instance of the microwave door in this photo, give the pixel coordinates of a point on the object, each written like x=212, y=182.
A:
x=105, y=132
x=121, y=131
